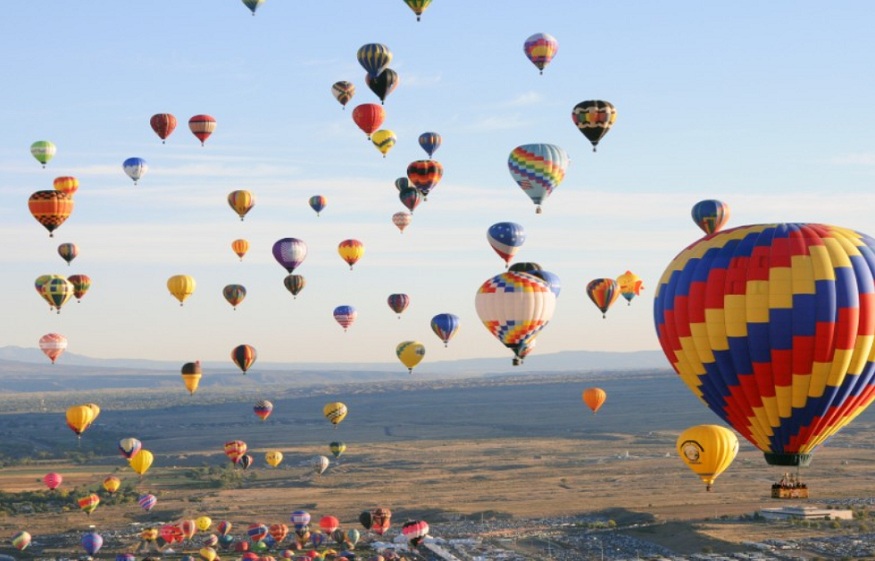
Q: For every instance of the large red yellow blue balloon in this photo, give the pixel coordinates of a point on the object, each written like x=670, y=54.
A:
x=538, y=169
x=540, y=48
x=772, y=326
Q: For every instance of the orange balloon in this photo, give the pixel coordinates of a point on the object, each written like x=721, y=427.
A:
x=594, y=398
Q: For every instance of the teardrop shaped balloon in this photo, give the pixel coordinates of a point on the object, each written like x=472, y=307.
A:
x=57, y=292
x=707, y=450
x=202, y=126
x=68, y=251
x=142, y=462
x=445, y=326
x=163, y=124
x=66, y=184
x=538, y=169
x=343, y=92
x=111, y=484
x=294, y=284
x=594, y=118
x=398, y=303
x=320, y=464
x=410, y=353
x=337, y=448
x=772, y=326
x=710, y=215
x=234, y=449
x=430, y=142
x=418, y=6
x=129, y=447
x=289, y=253
x=81, y=285
x=506, y=238
x=368, y=117
x=374, y=58
x=318, y=203
x=43, y=151
x=147, y=501
x=384, y=140
x=263, y=408
x=240, y=247
x=53, y=345
x=244, y=357
x=402, y=220
x=351, y=251
x=50, y=208
x=135, y=168
x=594, y=398
x=603, y=293
x=345, y=316
x=253, y=6
x=181, y=287
x=88, y=503
x=234, y=294
x=241, y=201
x=540, y=49
x=92, y=542
x=410, y=197
x=335, y=412
x=53, y=480
x=273, y=457
x=383, y=84
x=402, y=183
x=425, y=175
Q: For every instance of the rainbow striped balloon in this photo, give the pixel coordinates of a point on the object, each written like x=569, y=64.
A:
x=773, y=327
x=538, y=169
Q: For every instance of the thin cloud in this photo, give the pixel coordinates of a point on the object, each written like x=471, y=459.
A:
x=524, y=100
x=497, y=123
x=861, y=159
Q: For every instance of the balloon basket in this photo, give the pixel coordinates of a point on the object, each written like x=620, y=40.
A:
x=790, y=487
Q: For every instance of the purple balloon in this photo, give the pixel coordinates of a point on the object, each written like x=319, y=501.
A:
x=92, y=542
x=290, y=253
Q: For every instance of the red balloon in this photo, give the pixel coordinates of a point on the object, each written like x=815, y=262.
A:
x=369, y=117
x=163, y=124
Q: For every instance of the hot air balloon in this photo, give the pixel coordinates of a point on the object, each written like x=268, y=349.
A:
x=506, y=238
x=594, y=118
x=337, y=448
x=68, y=252
x=129, y=447
x=402, y=183
x=710, y=215
x=538, y=169
x=384, y=140
x=141, y=462
x=343, y=92
x=630, y=286
x=240, y=247
x=21, y=540
x=88, y=503
x=410, y=353
x=345, y=316
x=278, y=532
x=294, y=284
x=273, y=457
x=320, y=464
x=418, y=6
x=234, y=294
x=53, y=480
x=208, y=553
x=53, y=345
x=92, y=542
x=771, y=325
x=300, y=519
x=44, y=150
x=290, y=253
x=318, y=203
x=135, y=168
x=234, y=449
x=430, y=142
x=383, y=84
x=445, y=327
x=425, y=175
x=66, y=184
x=351, y=251
x=369, y=117
x=245, y=461
x=256, y=532
x=111, y=484
x=707, y=450
x=223, y=527
x=594, y=398
x=191, y=375
x=50, y=208
x=552, y=280
x=415, y=531
x=40, y=282
x=81, y=284
x=398, y=303
x=244, y=357
x=79, y=418
x=189, y=528
x=540, y=49
x=515, y=307
x=603, y=293
x=374, y=58
x=335, y=412
x=181, y=287
x=57, y=291
x=410, y=197
x=147, y=501
x=241, y=201
x=202, y=126
x=263, y=408
x=252, y=5
x=328, y=524
x=163, y=124
x=381, y=519
x=402, y=219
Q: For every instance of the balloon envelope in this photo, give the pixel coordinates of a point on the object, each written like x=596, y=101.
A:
x=594, y=398
x=53, y=345
x=410, y=353
x=244, y=357
x=142, y=462
x=289, y=253
x=445, y=326
x=540, y=49
x=335, y=412
x=241, y=202
x=43, y=151
x=707, y=450
x=163, y=124
x=50, y=208
x=374, y=58
x=538, y=169
x=594, y=118
x=202, y=126
x=603, y=293
x=343, y=92
x=181, y=287
x=710, y=215
x=506, y=238
x=135, y=168
x=53, y=480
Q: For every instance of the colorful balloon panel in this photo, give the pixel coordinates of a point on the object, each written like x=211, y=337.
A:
x=289, y=253
x=50, y=208
x=81, y=285
x=318, y=203
x=234, y=294
x=430, y=142
x=241, y=201
x=772, y=326
x=402, y=220
x=263, y=408
x=630, y=285
x=398, y=303
x=335, y=412
x=538, y=169
x=384, y=140
x=66, y=184
x=240, y=247
x=383, y=84
x=351, y=251
x=540, y=49
x=345, y=316
x=294, y=284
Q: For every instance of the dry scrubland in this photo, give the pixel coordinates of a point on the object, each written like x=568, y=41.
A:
x=522, y=448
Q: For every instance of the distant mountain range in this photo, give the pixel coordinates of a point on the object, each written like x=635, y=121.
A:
x=28, y=369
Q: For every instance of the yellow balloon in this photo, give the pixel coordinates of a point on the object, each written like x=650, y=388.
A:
x=273, y=457
x=351, y=251
x=707, y=450
x=410, y=353
x=79, y=418
x=384, y=140
x=191, y=376
x=203, y=523
x=142, y=461
x=208, y=553
x=181, y=287
x=335, y=412
x=111, y=484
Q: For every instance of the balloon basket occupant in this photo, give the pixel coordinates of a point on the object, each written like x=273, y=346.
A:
x=790, y=487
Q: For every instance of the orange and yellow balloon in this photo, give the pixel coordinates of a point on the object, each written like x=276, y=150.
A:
x=594, y=398
x=351, y=251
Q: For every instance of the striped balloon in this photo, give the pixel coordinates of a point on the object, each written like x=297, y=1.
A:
x=50, y=208
x=345, y=316
x=244, y=357
x=290, y=253
x=66, y=184
x=398, y=303
x=445, y=326
x=163, y=124
x=425, y=175
x=21, y=540
x=538, y=169
x=263, y=408
x=374, y=58
x=43, y=151
x=241, y=201
x=540, y=48
x=773, y=327
x=710, y=215
x=418, y=6
x=343, y=92
x=202, y=126
x=603, y=293
x=147, y=502
x=430, y=142
x=594, y=118
x=506, y=238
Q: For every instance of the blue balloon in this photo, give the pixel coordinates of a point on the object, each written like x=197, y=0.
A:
x=445, y=326
x=430, y=142
x=506, y=238
x=226, y=541
x=552, y=280
x=135, y=168
x=92, y=542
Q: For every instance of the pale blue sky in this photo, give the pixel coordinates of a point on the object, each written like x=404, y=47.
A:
x=765, y=105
